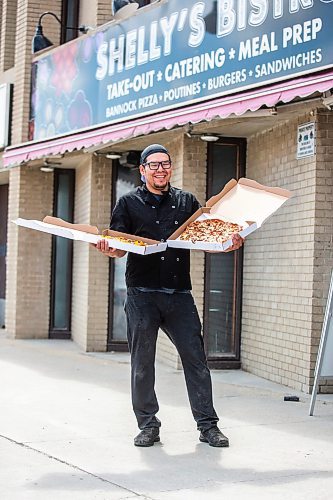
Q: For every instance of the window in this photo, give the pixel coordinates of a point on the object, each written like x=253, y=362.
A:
x=69, y=17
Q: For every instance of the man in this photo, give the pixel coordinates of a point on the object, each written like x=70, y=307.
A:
x=158, y=296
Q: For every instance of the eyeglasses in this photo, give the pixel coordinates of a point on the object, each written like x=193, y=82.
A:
x=154, y=165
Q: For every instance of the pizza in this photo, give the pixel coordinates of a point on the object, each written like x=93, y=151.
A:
x=210, y=231
x=127, y=240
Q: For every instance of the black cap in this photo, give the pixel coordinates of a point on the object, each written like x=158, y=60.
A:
x=153, y=148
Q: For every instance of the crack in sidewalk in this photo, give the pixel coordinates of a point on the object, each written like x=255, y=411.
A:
x=75, y=467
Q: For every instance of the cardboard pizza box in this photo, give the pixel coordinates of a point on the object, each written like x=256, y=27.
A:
x=61, y=228
x=245, y=202
x=152, y=246
x=90, y=234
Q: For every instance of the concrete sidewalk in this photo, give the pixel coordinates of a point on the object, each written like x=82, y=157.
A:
x=66, y=432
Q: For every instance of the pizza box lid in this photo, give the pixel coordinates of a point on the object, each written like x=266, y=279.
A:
x=245, y=202
x=90, y=234
x=82, y=232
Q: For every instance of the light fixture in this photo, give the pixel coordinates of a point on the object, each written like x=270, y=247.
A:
x=113, y=156
x=47, y=169
x=40, y=42
x=209, y=137
x=124, y=8
x=49, y=166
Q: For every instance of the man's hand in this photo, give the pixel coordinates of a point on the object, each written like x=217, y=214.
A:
x=103, y=247
x=237, y=242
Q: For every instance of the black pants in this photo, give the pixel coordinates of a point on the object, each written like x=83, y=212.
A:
x=177, y=315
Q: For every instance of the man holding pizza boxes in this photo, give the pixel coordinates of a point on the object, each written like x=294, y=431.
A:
x=159, y=296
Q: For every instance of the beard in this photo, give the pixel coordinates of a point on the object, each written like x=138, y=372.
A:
x=161, y=187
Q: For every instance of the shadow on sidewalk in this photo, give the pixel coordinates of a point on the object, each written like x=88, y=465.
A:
x=161, y=472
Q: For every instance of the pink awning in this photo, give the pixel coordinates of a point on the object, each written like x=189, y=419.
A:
x=223, y=107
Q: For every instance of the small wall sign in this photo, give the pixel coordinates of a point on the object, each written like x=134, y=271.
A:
x=306, y=140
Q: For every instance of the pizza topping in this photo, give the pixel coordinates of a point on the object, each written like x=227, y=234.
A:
x=126, y=240
x=210, y=230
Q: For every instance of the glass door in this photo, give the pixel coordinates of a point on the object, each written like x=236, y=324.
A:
x=62, y=256
x=223, y=272
x=125, y=179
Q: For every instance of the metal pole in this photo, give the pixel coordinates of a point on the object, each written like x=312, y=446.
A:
x=322, y=344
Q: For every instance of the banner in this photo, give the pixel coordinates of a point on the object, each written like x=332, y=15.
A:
x=171, y=55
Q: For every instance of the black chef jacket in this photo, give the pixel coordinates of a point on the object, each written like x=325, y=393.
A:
x=141, y=214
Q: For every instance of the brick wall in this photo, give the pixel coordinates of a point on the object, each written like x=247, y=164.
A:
x=29, y=255
x=8, y=34
x=104, y=12
x=278, y=263
x=98, y=263
x=91, y=269
x=323, y=235
x=81, y=255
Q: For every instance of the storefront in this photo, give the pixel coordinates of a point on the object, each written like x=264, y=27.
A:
x=231, y=93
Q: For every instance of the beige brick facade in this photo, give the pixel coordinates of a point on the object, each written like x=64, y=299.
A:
x=28, y=255
x=287, y=263
x=8, y=34
x=104, y=12
x=323, y=234
x=91, y=269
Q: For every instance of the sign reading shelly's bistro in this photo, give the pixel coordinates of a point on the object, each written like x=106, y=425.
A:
x=167, y=56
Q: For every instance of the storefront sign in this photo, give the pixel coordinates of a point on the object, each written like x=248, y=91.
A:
x=174, y=54
x=306, y=140
x=4, y=114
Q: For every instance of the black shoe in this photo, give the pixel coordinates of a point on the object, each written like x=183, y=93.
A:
x=214, y=437
x=147, y=437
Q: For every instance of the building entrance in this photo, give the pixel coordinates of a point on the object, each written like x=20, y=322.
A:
x=223, y=272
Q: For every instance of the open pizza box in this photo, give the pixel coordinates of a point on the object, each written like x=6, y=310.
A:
x=245, y=202
x=152, y=246
x=90, y=234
